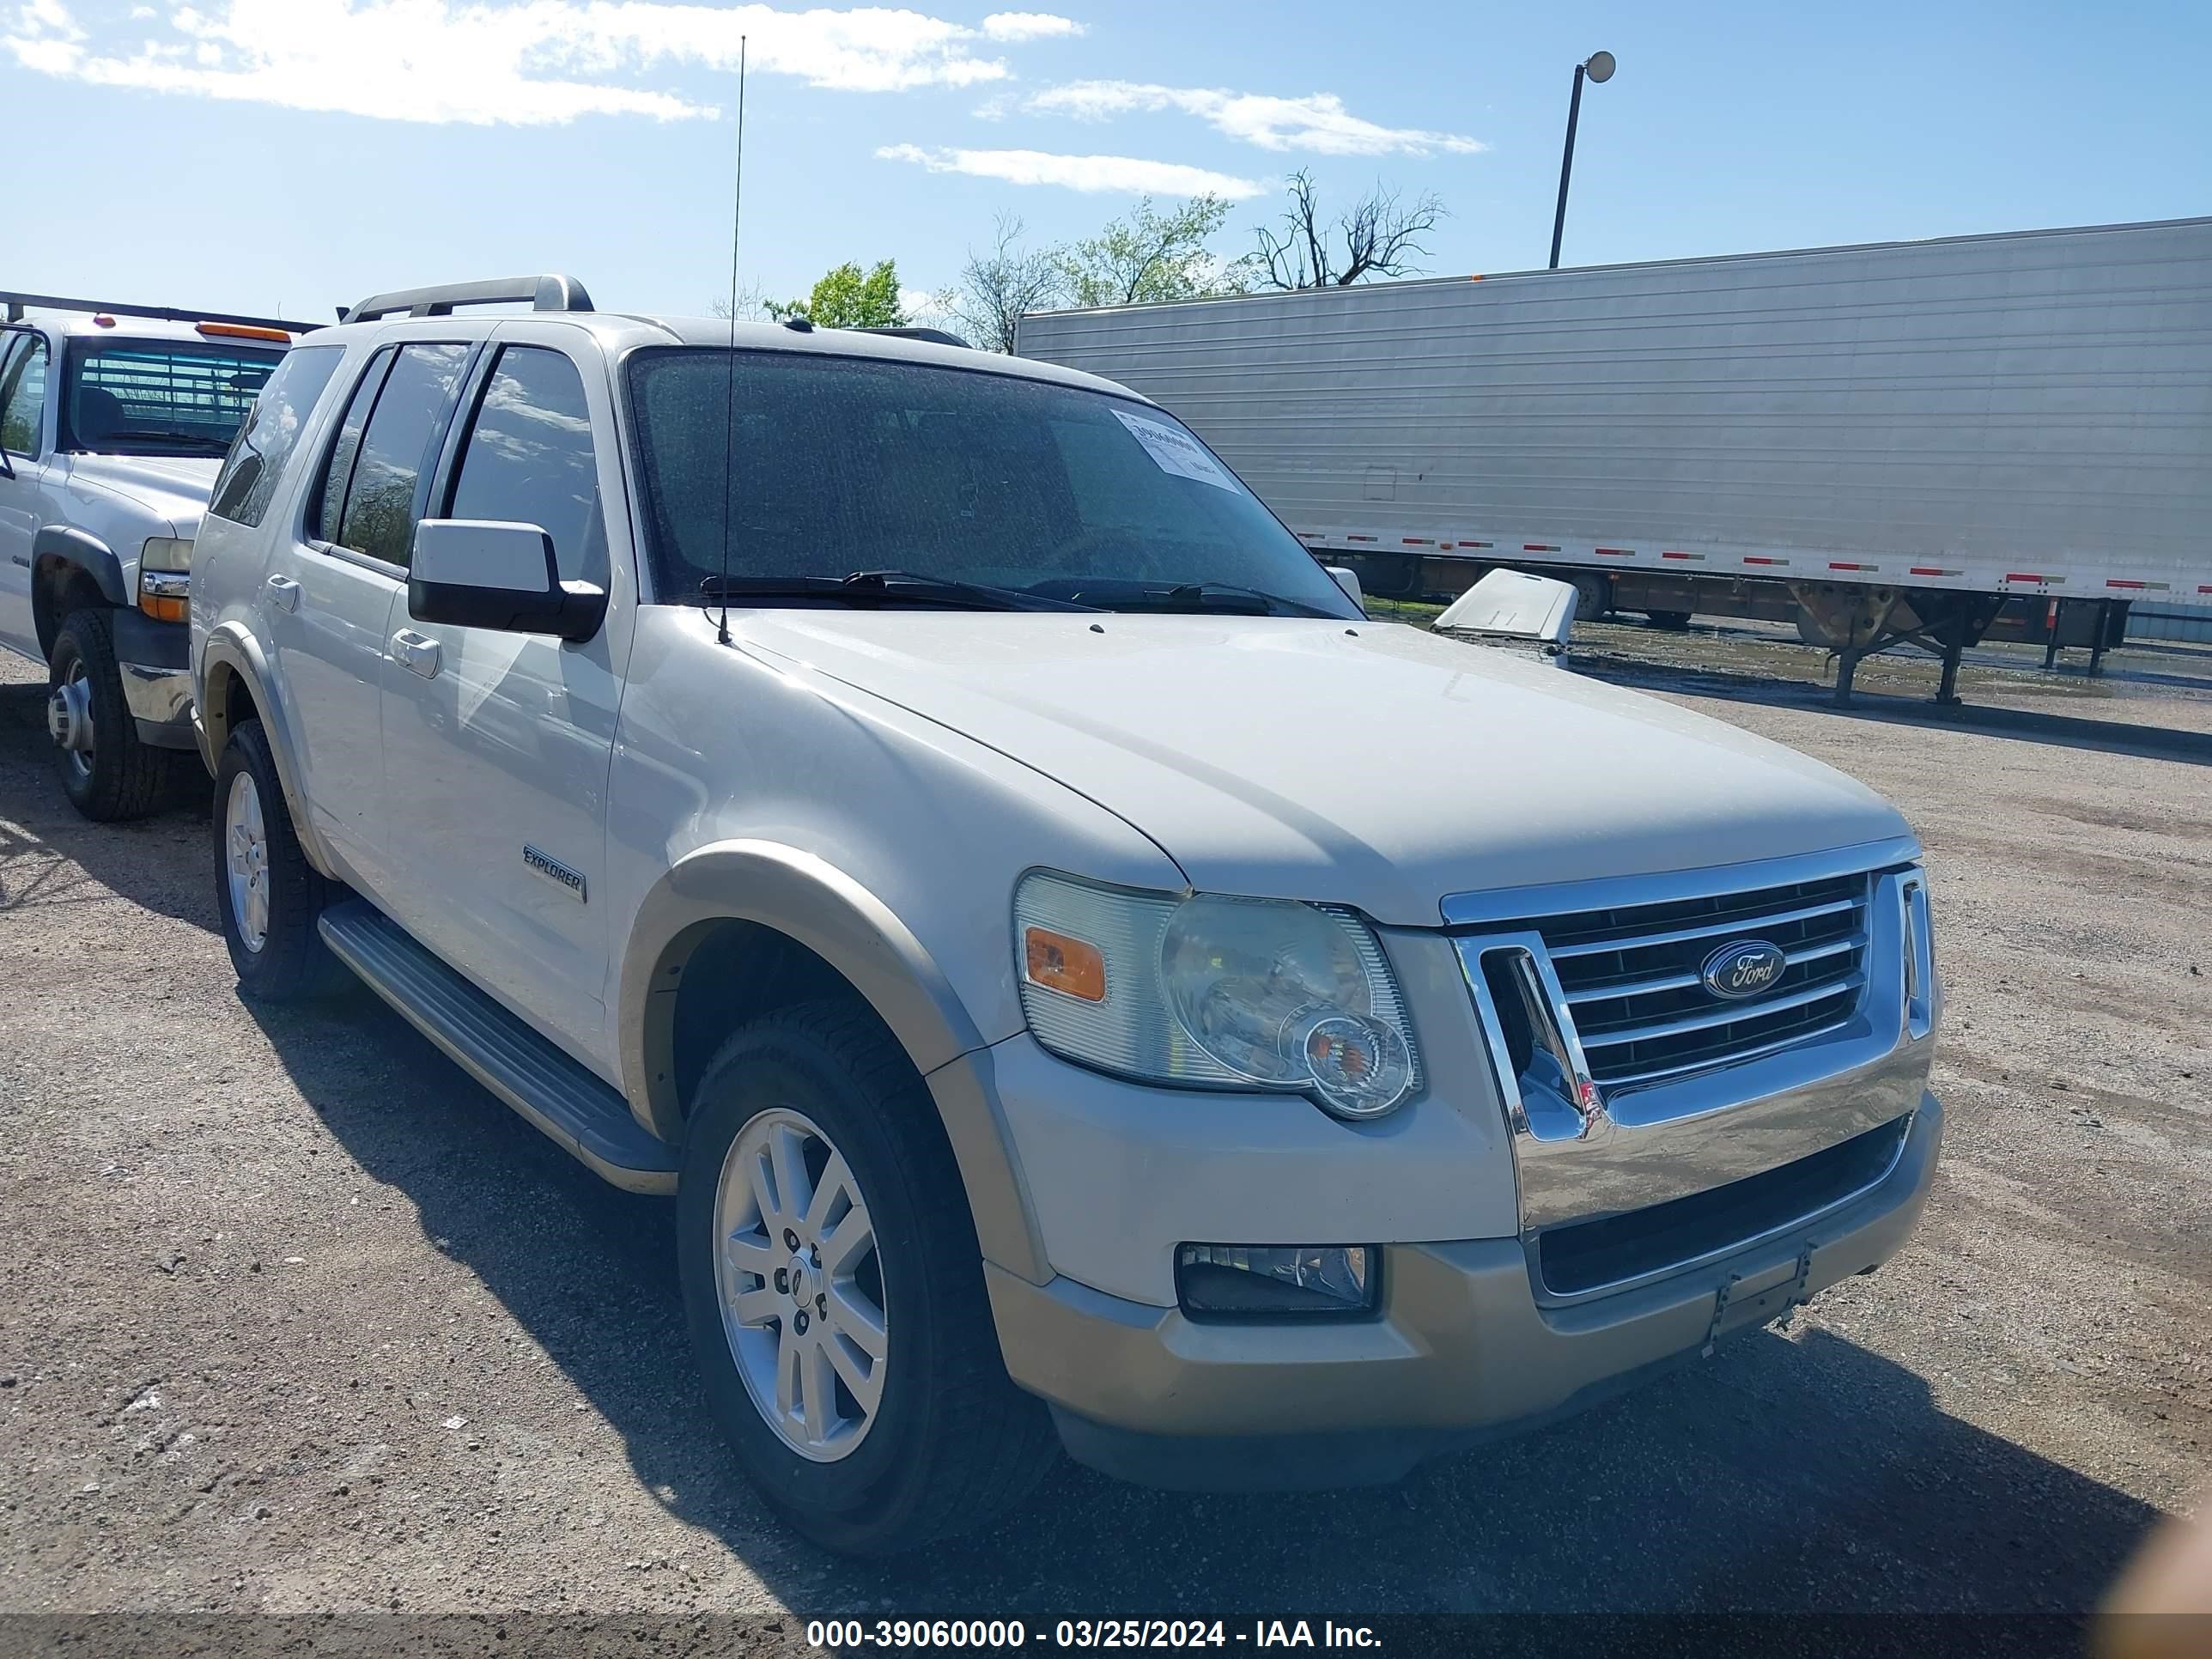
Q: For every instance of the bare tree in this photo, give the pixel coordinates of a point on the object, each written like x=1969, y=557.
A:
x=1379, y=237
x=753, y=304
x=997, y=287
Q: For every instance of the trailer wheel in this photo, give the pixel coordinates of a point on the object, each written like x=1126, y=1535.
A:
x=1593, y=597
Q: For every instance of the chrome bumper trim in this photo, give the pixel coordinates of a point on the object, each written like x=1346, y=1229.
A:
x=160, y=697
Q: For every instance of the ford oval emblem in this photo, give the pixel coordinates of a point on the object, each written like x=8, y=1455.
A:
x=1743, y=968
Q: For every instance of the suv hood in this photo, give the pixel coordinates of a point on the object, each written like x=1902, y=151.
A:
x=1373, y=765
x=176, y=487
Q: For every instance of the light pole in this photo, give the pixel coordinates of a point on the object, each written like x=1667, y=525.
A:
x=1599, y=67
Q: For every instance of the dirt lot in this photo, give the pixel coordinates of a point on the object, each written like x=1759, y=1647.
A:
x=295, y=1317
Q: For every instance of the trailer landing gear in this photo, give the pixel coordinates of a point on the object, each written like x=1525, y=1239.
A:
x=1858, y=621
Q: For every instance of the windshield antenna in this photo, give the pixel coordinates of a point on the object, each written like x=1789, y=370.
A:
x=730, y=395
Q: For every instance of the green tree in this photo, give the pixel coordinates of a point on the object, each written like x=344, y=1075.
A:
x=848, y=297
x=1149, y=255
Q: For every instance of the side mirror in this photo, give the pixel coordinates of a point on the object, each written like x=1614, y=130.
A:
x=478, y=573
x=1349, y=581
x=1510, y=607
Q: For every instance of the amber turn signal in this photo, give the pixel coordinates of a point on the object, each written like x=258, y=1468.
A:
x=1067, y=965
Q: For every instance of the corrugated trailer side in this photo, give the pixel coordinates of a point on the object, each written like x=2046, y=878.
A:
x=1977, y=416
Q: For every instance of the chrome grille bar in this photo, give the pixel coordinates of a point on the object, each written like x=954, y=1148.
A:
x=1606, y=991
x=1733, y=1013
x=1742, y=924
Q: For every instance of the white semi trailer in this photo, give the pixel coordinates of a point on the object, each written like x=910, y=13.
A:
x=1888, y=443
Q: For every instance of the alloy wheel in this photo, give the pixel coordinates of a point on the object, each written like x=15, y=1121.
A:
x=246, y=843
x=800, y=1285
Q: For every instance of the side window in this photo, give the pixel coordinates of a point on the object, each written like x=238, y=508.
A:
x=395, y=448
x=25, y=388
x=328, y=506
x=529, y=458
x=271, y=428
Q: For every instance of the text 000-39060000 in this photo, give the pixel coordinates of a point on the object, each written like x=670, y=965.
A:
x=916, y=1633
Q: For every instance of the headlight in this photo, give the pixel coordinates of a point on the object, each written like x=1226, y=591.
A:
x=165, y=582
x=1222, y=993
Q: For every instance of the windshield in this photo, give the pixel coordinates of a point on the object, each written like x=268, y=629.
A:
x=162, y=397
x=843, y=464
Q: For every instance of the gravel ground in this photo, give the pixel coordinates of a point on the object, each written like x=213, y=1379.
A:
x=296, y=1318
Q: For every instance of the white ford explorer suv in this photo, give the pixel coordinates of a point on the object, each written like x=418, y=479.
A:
x=113, y=422
x=1080, y=979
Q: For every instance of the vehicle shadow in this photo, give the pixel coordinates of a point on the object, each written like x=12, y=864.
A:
x=49, y=855
x=2021, y=725
x=1783, y=1476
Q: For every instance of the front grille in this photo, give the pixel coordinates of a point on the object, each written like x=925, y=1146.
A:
x=1585, y=1255
x=1631, y=976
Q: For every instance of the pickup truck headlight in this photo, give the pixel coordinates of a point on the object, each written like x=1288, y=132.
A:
x=1213, y=992
x=165, y=579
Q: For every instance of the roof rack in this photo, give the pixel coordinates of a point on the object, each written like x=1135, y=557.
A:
x=16, y=304
x=934, y=336
x=549, y=293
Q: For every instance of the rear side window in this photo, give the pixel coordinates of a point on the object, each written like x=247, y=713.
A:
x=265, y=441
x=24, y=389
x=394, y=449
x=529, y=458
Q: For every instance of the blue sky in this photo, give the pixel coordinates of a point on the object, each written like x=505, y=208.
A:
x=241, y=155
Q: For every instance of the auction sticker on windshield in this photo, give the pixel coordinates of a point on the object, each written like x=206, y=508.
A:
x=1176, y=452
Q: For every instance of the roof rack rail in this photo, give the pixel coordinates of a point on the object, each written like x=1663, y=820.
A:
x=934, y=336
x=549, y=293
x=16, y=304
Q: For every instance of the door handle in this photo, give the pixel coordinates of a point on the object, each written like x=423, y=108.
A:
x=417, y=651
x=283, y=592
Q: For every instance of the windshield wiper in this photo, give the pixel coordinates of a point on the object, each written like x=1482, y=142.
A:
x=1223, y=598
x=872, y=587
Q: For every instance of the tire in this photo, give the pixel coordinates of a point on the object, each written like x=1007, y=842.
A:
x=1673, y=621
x=1593, y=597
x=289, y=963
x=108, y=774
x=950, y=1442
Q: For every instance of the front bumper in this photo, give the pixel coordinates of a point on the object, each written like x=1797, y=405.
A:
x=1464, y=1349
x=153, y=657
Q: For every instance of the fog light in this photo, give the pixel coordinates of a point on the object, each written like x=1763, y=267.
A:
x=1299, y=1280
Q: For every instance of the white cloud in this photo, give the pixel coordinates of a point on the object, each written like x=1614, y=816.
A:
x=521, y=62
x=1029, y=26
x=1124, y=174
x=1318, y=123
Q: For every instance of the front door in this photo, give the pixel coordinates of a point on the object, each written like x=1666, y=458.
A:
x=330, y=606
x=22, y=435
x=497, y=745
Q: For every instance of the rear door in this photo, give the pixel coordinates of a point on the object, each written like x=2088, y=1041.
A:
x=497, y=745
x=24, y=361
x=330, y=603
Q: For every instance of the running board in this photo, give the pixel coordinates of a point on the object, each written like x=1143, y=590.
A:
x=589, y=1120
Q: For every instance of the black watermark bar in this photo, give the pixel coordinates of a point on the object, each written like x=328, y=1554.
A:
x=646, y=1636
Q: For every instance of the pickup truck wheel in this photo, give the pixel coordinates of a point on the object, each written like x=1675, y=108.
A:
x=835, y=1290
x=108, y=773
x=268, y=894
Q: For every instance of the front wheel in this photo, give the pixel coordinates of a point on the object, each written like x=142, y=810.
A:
x=108, y=774
x=835, y=1291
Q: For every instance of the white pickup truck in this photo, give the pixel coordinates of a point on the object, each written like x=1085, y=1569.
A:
x=113, y=422
x=920, y=809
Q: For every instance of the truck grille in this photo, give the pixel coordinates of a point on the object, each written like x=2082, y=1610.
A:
x=1633, y=984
